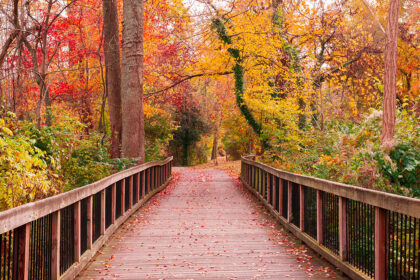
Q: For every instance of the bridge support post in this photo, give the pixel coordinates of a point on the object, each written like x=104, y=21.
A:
x=289, y=201
x=281, y=193
x=143, y=183
x=89, y=222
x=113, y=202
x=342, y=225
x=274, y=192
x=102, y=222
x=77, y=231
x=130, y=192
x=319, y=225
x=302, y=208
x=23, y=253
x=268, y=187
x=55, y=246
x=138, y=187
x=380, y=243
x=123, y=182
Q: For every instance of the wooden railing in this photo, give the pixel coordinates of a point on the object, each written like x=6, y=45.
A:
x=366, y=233
x=55, y=238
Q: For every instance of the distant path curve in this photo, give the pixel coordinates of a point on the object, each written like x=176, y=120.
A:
x=205, y=225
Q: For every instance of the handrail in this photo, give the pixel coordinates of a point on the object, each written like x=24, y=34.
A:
x=366, y=233
x=54, y=238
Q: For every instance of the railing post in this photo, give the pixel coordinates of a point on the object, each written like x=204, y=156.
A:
x=55, y=246
x=319, y=226
x=342, y=225
x=23, y=254
x=380, y=243
x=130, y=192
x=289, y=201
x=77, y=231
x=122, y=196
x=113, y=202
x=103, y=201
x=138, y=187
x=268, y=193
x=89, y=222
x=143, y=183
x=148, y=180
x=274, y=193
x=302, y=207
x=281, y=196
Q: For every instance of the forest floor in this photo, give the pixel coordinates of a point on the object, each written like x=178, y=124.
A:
x=205, y=225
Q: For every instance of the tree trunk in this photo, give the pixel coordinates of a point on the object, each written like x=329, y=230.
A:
x=113, y=73
x=390, y=75
x=132, y=81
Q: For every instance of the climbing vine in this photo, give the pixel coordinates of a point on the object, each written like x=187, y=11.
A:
x=238, y=71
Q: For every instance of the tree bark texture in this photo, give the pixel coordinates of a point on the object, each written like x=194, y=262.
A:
x=113, y=73
x=390, y=75
x=133, y=139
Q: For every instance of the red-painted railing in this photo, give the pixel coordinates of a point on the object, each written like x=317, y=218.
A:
x=54, y=238
x=366, y=233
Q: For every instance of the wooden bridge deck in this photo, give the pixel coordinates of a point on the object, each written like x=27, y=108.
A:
x=205, y=225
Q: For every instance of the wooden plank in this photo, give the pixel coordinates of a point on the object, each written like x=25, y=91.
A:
x=397, y=203
x=380, y=242
x=23, y=254
x=281, y=196
x=222, y=238
x=18, y=216
x=55, y=246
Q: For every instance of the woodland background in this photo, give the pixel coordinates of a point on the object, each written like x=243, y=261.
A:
x=309, y=75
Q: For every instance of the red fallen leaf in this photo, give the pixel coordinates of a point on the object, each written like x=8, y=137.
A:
x=299, y=259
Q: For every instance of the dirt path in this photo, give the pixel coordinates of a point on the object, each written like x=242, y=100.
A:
x=205, y=225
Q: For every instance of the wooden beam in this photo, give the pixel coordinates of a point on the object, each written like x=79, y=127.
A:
x=55, y=246
x=380, y=242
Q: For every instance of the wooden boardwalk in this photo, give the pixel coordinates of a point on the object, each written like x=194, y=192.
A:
x=205, y=225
